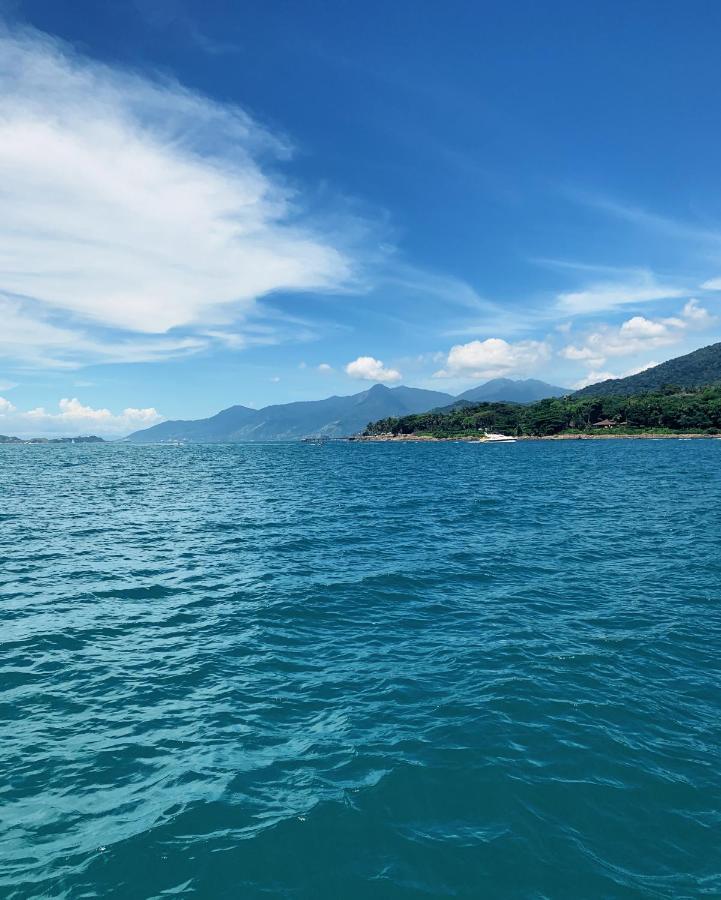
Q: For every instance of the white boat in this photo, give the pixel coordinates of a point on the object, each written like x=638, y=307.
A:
x=498, y=438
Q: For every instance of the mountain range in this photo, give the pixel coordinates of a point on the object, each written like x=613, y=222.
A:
x=697, y=369
x=334, y=416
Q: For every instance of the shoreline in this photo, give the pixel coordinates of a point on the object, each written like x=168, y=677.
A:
x=423, y=438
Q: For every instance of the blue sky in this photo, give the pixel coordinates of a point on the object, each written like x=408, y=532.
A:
x=257, y=202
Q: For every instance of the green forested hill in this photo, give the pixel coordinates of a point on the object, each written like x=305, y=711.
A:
x=696, y=410
x=702, y=367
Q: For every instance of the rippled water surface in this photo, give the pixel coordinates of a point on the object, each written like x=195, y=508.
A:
x=361, y=671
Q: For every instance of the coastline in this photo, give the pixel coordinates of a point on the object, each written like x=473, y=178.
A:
x=427, y=438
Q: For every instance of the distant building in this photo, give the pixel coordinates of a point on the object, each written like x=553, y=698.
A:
x=604, y=423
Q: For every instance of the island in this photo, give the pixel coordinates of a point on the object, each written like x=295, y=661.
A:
x=668, y=412
x=83, y=439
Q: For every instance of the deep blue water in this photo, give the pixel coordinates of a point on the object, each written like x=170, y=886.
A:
x=361, y=671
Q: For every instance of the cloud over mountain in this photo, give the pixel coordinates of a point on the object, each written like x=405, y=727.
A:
x=636, y=335
x=370, y=369
x=493, y=358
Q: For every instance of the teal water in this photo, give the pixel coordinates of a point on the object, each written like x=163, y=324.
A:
x=361, y=671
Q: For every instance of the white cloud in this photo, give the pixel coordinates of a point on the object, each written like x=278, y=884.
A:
x=275, y=379
x=576, y=353
x=134, y=204
x=6, y=407
x=637, y=335
x=74, y=418
x=643, y=329
x=636, y=369
x=696, y=315
x=370, y=369
x=642, y=288
x=594, y=377
x=326, y=369
x=634, y=336
x=713, y=284
x=492, y=358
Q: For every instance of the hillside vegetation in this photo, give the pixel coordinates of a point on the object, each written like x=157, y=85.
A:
x=671, y=410
x=702, y=367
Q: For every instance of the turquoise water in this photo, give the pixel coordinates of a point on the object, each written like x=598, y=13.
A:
x=361, y=671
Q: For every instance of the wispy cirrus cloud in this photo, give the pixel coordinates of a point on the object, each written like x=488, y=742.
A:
x=35, y=337
x=669, y=226
x=132, y=204
x=442, y=288
x=695, y=242
x=640, y=287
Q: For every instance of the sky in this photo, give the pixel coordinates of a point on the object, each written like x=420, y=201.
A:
x=205, y=204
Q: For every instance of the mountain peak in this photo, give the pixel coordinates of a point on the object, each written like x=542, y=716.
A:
x=528, y=390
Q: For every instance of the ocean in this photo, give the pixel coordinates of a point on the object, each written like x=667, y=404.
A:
x=373, y=671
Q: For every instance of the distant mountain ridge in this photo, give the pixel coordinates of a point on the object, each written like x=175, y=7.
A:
x=332, y=417
x=81, y=439
x=506, y=390
x=697, y=369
